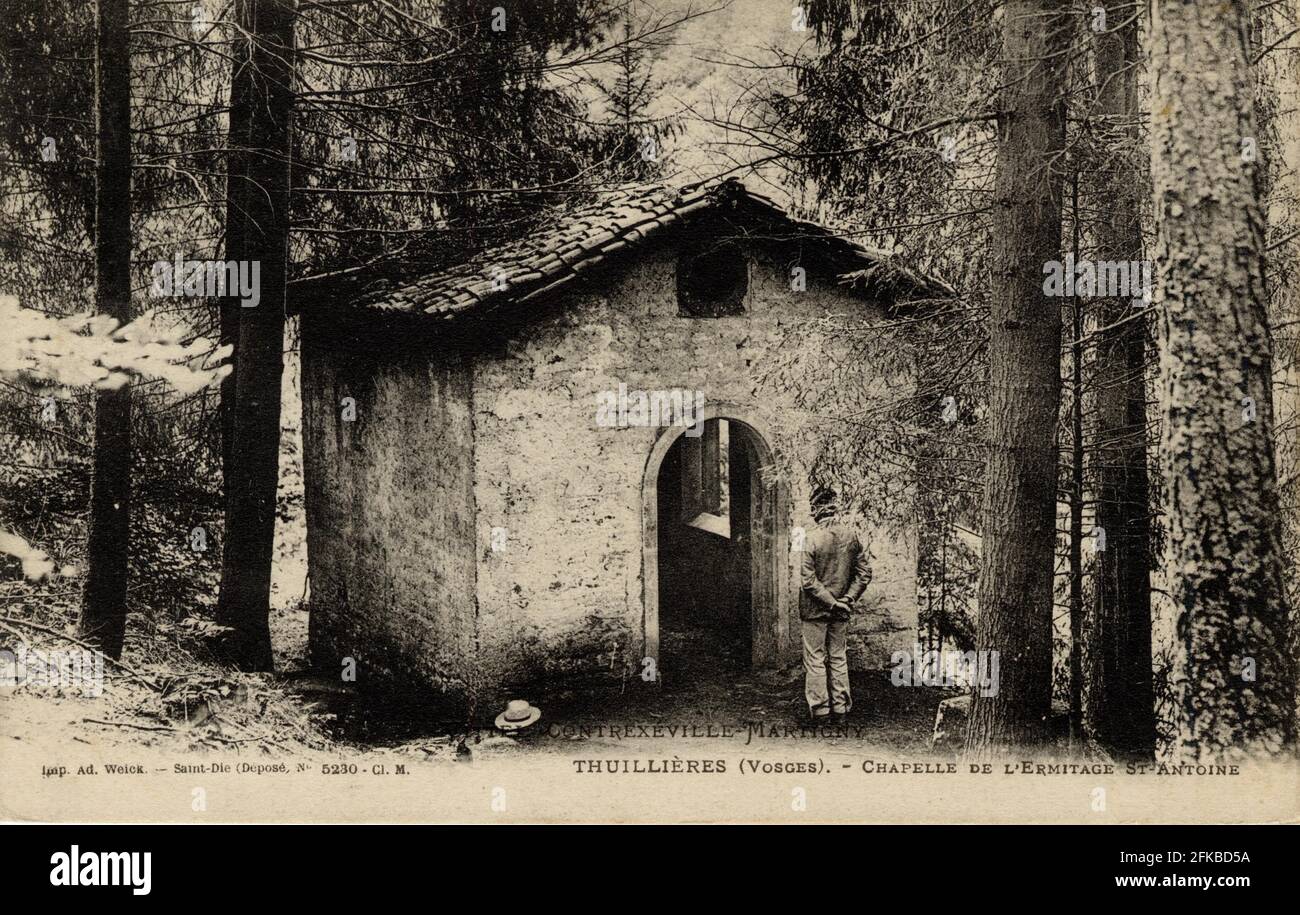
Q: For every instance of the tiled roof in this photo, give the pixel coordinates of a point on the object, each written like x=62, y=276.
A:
x=580, y=239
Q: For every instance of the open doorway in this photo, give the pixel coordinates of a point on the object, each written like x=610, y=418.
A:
x=714, y=563
x=705, y=558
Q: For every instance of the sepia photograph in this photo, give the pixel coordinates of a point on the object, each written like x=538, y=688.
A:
x=715, y=412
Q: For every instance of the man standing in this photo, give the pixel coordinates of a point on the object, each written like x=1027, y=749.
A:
x=836, y=571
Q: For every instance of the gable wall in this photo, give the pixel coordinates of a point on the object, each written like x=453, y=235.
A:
x=565, y=595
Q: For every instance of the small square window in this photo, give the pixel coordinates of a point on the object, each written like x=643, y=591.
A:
x=713, y=283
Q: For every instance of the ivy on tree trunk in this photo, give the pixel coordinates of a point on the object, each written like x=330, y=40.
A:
x=1234, y=678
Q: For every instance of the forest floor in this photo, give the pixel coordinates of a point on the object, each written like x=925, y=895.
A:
x=170, y=695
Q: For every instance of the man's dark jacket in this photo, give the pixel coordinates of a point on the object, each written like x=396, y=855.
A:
x=835, y=567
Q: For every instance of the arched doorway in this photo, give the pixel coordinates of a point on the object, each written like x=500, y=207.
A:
x=715, y=517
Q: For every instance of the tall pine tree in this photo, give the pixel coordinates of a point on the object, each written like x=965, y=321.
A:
x=1019, y=515
x=1119, y=703
x=1234, y=675
x=265, y=80
x=103, y=612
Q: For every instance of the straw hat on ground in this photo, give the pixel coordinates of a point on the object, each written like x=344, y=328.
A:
x=518, y=715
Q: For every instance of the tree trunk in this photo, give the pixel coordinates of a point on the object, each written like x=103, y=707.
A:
x=1118, y=695
x=248, y=543
x=1234, y=677
x=103, y=610
x=1019, y=517
x=1076, y=488
x=235, y=243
